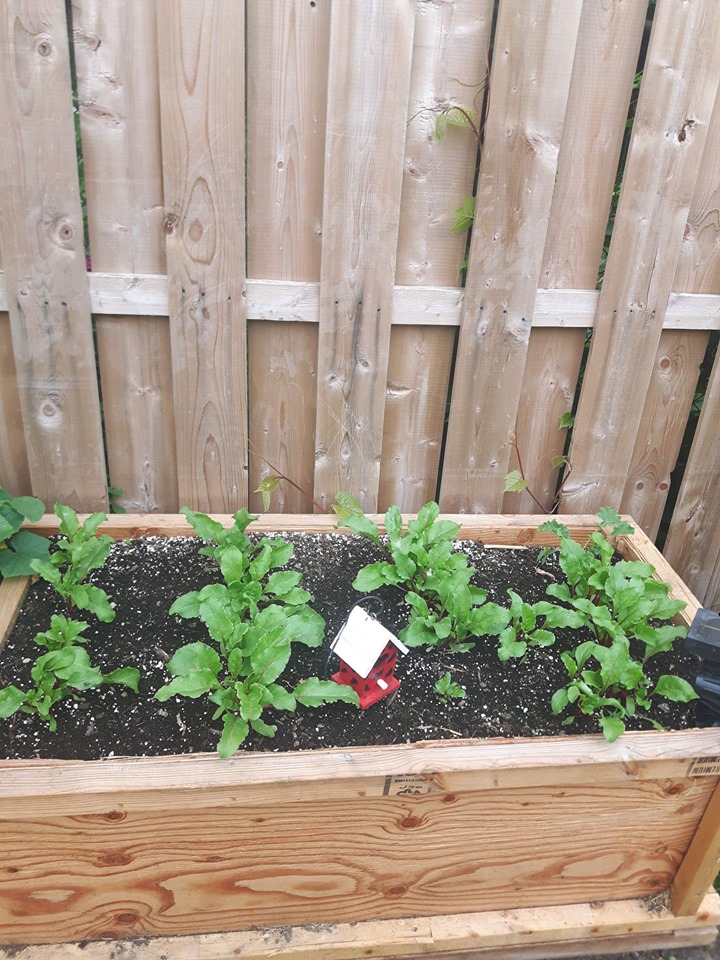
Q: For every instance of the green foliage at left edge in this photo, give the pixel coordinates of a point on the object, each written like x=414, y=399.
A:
x=18, y=548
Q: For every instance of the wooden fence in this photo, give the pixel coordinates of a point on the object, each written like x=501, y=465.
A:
x=274, y=276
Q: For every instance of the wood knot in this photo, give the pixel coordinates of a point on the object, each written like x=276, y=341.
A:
x=410, y=822
x=115, y=858
x=170, y=221
x=43, y=47
x=127, y=919
x=449, y=798
x=115, y=815
x=398, y=890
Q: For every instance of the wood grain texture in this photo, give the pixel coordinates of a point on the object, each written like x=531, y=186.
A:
x=532, y=64
x=535, y=933
x=448, y=67
x=208, y=869
x=38, y=789
x=672, y=386
x=288, y=50
x=368, y=83
x=700, y=864
x=674, y=109
x=693, y=541
x=12, y=594
x=608, y=43
x=44, y=258
x=117, y=72
x=14, y=470
x=667, y=405
x=299, y=302
x=202, y=97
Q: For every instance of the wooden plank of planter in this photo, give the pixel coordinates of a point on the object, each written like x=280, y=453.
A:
x=202, y=62
x=368, y=83
x=701, y=863
x=532, y=64
x=118, y=102
x=44, y=258
x=287, y=72
x=605, y=59
x=42, y=787
x=556, y=931
x=12, y=594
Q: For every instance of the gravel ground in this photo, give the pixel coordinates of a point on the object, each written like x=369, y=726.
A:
x=711, y=952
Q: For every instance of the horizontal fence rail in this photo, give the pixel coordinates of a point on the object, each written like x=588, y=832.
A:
x=229, y=245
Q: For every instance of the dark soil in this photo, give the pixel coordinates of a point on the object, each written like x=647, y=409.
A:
x=144, y=577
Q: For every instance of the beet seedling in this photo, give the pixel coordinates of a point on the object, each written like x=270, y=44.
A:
x=64, y=671
x=446, y=610
x=80, y=551
x=254, y=617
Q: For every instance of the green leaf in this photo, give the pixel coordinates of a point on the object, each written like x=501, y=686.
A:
x=446, y=687
x=193, y=658
x=374, y=575
x=675, y=688
x=264, y=729
x=270, y=655
x=558, y=462
x=612, y=727
x=559, y=700
x=251, y=701
x=233, y=564
x=30, y=507
x=88, y=597
x=510, y=646
x=554, y=526
x=11, y=699
x=306, y=626
x=282, y=582
x=359, y=523
x=206, y=528
x=262, y=562
x=187, y=606
x=314, y=692
x=90, y=527
x=418, y=633
x=464, y=215
x=7, y=529
x=235, y=730
x=125, y=676
x=393, y=524
x=267, y=486
x=610, y=518
x=281, y=698
x=440, y=126
x=541, y=638
x=346, y=506
x=514, y=482
x=69, y=522
x=567, y=420
x=191, y=685
x=488, y=620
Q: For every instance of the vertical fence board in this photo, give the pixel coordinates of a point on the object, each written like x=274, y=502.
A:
x=203, y=137
x=287, y=50
x=368, y=85
x=14, y=472
x=449, y=66
x=693, y=542
x=44, y=257
x=118, y=100
x=669, y=132
x=675, y=372
x=608, y=44
x=532, y=64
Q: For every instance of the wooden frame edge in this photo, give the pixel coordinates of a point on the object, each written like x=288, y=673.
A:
x=456, y=934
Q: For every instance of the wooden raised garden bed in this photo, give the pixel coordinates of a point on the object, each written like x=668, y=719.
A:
x=521, y=847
